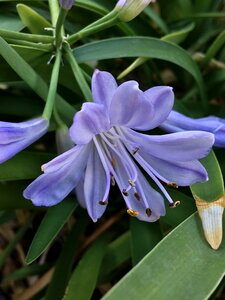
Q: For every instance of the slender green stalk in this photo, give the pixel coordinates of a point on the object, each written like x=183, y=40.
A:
x=58, y=120
x=35, y=38
x=78, y=73
x=52, y=87
x=54, y=11
x=59, y=31
x=37, y=46
x=101, y=24
x=214, y=48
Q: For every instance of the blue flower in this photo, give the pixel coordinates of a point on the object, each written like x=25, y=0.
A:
x=66, y=4
x=14, y=137
x=177, y=122
x=108, y=148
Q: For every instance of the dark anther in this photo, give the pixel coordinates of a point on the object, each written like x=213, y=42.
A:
x=174, y=204
x=131, y=183
x=137, y=196
x=173, y=185
x=103, y=202
x=135, y=151
x=148, y=212
x=125, y=192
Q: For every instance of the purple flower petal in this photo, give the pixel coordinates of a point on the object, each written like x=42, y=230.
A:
x=178, y=122
x=51, y=188
x=96, y=186
x=180, y=146
x=181, y=173
x=66, y=4
x=103, y=87
x=15, y=137
x=130, y=107
x=91, y=120
x=162, y=99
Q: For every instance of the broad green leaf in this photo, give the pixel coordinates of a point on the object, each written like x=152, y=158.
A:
x=32, y=20
x=24, y=70
x=181, y=266
x=65, y=261
x=83, y=280
x=10, y=22
x=144, y=236
x=25, y=165
x=212, y=189
x=50, y=226
x=140, y=47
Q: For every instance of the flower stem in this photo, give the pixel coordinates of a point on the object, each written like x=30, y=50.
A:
x=52, y=87
x=35, y=38
x=59, y=31
x=78, y=73
x=54, y=11
x=101, y=24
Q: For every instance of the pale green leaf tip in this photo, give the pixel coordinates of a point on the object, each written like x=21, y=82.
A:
x=211, y=214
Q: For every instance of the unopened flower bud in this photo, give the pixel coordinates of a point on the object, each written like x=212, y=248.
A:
x=66, y=4
x=129, y=9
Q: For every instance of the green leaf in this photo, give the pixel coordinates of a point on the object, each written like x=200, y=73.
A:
x=50, y=226
x=144, y=236
x=175, y=269
x=179, y=36
x=212, y=189
x=32, y=20
x=64, y=263
x=10, y=22
x=117, y=254
x=25, y=165
x=140, y=47
x=83, y=280
x=24, y=70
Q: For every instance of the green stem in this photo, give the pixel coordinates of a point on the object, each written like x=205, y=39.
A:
x=58, y=120
x=101, y=24
x=42, y=47
x=35, y=38
x=54, y=11
x=52, y=87
x=59, y=31
x=78, y=73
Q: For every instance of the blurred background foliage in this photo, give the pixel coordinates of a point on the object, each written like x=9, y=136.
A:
x=59, y=253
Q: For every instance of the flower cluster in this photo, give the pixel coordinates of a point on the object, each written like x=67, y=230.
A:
x=109, y=147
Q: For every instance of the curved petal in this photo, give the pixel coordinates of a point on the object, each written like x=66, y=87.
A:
x=15, y=137
x=64, y=159
x=181, y=173
x=51, y=188
x=179, y=122
x=162, y=100
x=96, y=186
x=103, y=87
x=180, y=146
x=130, y=107
x=91, y=120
